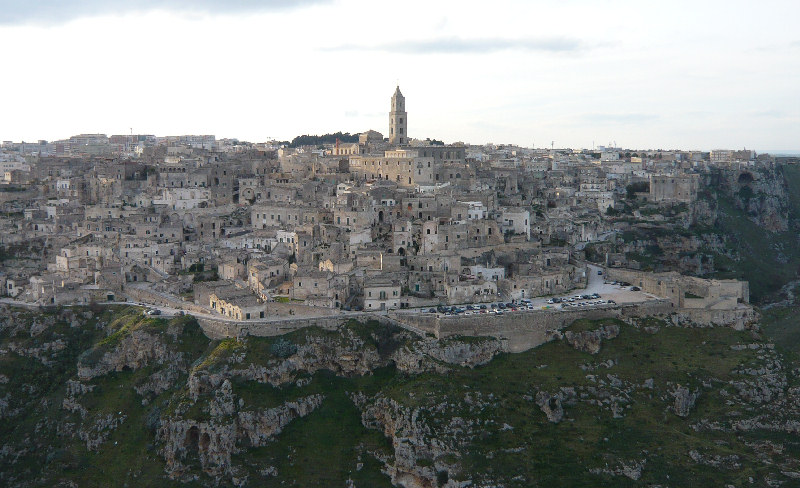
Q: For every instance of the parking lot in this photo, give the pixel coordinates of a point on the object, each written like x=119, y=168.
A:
x=598, y=293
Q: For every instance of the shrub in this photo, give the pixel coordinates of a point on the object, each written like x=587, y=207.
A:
x=442, y=477
x=282, y=348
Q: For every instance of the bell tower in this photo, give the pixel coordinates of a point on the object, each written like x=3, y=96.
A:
x=398, y=120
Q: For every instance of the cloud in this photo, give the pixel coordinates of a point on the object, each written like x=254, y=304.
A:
x=456, y=45
x=59, y=11
x=620, y=118
x=770, y=114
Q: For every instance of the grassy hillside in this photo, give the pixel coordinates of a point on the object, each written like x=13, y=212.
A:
x=620, y=424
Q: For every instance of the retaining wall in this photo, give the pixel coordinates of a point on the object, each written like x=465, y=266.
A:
x=221, y=329
x=519, y=331
x=155, y=298
x=524, y=330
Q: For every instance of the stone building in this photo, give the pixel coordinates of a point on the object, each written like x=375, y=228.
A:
x=398, y=120
x=674, y=188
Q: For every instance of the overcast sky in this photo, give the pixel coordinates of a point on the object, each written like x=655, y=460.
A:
x=674, y=74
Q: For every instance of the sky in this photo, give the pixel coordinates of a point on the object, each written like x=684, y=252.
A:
x=701, y=74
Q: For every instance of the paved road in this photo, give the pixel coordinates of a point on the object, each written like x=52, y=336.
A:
x=595, y=284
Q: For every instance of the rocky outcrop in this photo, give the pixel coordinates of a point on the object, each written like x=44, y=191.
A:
x=98, y=431
x=683, y=400
x=133, y=352
x=260, y=427
x=213, y=442
x=434, y=355
x=462, y=353
x=42, y=352
x=590, y=340
x=715, y=460
x=187, y=440
x=414, y=440
x=160, y=381
x=70, y=403
x=629, y=468
x=762, y=194
x=551, y=406
x=347, y=357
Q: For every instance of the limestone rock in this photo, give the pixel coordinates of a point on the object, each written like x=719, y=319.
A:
x=684, y=400
x=348, y=357
x=428, y=355
x=215, y=441
x=260, y=427
x=551, y=406
x=135, y=351
x=590, y=340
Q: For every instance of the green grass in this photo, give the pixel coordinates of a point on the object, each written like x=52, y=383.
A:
x=324, y=448
x=54, y=456
x=331, y=445
x=782, y=325
x=560, y=454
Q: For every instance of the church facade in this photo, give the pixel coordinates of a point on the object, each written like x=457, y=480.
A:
x=410, y=165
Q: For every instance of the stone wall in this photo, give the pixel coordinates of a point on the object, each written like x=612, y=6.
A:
x=144, y=295
x=518, y=331
x=220, y=328
x=740, y=318
x=704, y=293
x=521, y=331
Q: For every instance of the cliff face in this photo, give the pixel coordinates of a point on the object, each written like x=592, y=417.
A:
x=743, y=225
x=110, y=398
x=228, y=431
x=762, y=194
